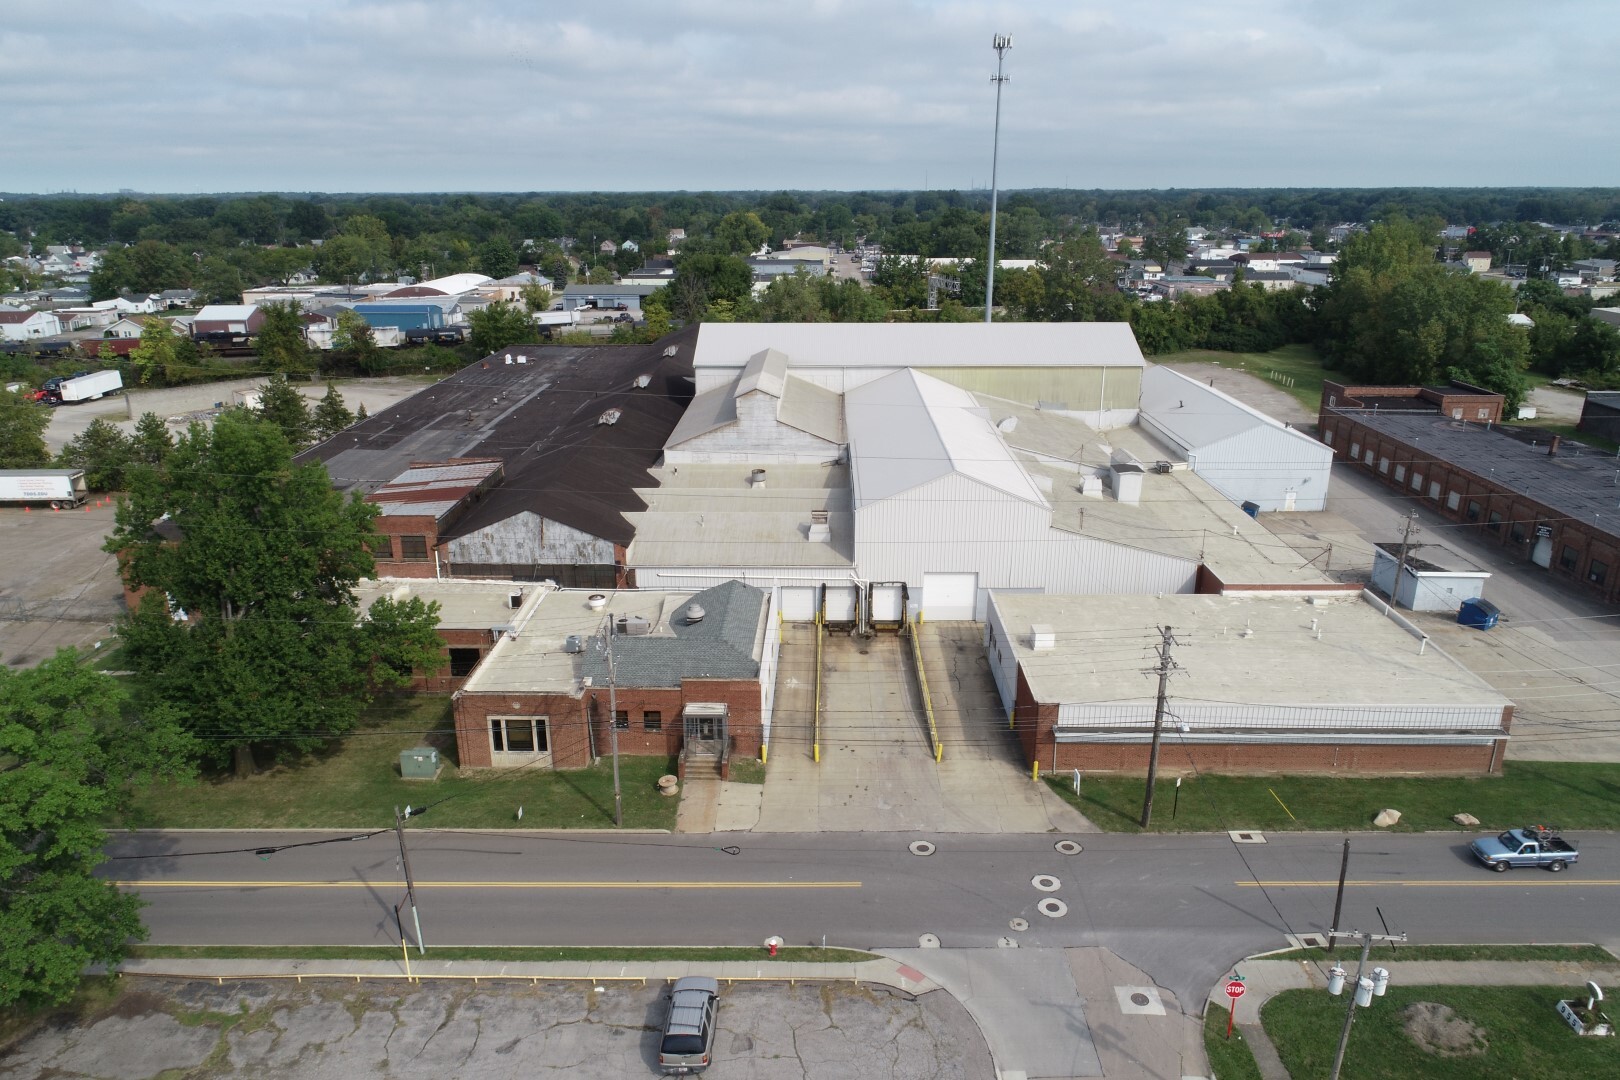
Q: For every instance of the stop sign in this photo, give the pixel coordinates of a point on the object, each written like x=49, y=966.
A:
x=1235, y=989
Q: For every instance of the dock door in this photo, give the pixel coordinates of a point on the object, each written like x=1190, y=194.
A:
x=886, y=601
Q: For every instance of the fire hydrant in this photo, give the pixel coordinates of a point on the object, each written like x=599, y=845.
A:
x=772, y=944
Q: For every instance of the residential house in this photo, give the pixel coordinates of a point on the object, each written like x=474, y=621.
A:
x=227, y=319
x=1476, y=262
x=29, y=325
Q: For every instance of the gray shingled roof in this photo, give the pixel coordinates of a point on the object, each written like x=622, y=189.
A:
x=719, y=647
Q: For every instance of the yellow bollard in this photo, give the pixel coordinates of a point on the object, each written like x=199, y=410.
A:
x=764, y=754
x=1035, y=772
x=815, y=753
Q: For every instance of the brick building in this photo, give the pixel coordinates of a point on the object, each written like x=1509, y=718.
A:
x=1261, y=684
x=692, y=674
x=1457, y=400
x=419, y=505
x=1548, y=502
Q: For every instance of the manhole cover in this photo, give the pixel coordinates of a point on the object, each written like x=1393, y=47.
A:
x=1046, y=883
x=922, y=847
x=1140, y=999
x=1052, y=908
x=1019, y=924
x=1068, y=847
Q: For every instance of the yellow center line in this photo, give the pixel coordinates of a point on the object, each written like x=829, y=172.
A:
x=1494, y=883
x=155, y=883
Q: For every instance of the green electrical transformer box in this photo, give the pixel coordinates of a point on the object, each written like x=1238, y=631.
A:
x=419, y=763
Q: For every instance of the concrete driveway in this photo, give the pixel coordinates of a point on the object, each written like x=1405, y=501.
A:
x=337, y=1030
x=877, y=771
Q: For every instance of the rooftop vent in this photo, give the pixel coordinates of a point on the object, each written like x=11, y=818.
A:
x=514, y=599
x=756, y=479
x=643, y=381
x=522, y=359
x=1010, y=424
x=1042, y=636
x=508, y=358
x=596, y=601
x=820, y=531
x=694, y=613
x=670, y=351
x=610, y=417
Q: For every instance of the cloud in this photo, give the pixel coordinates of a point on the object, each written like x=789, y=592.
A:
x=726, y=94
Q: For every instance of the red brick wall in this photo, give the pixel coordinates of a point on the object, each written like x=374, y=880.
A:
x=441, y=681
x=1175, y=758
x=398, y=525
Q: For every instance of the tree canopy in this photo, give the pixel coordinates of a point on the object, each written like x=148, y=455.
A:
x=501, y=324
x=262, y=557
x=71, y=744
x=22, y=432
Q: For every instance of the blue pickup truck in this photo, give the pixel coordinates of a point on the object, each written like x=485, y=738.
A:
x=1537, y=845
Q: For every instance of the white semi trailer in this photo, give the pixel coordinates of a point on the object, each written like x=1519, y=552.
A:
x=61, y=489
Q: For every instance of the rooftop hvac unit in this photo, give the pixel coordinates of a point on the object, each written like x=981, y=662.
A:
x=514, y=599
x=633, y=626
x=1042, y=636
x=573, y=643
x=819, y=529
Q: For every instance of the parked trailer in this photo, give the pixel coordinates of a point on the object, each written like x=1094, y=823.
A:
x=61, y=489
x=86, y=387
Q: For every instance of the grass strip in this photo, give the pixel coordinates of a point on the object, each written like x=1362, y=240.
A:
x=1229, y=1059
x=543, y=954
x=1520, y=1035
x=1294, y=369
x=1572, y=794
x=1571, y=954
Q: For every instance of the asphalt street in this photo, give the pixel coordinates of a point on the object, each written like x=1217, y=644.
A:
x=1181, y=908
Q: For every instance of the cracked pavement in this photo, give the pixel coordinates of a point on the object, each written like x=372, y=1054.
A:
x=193, y=1029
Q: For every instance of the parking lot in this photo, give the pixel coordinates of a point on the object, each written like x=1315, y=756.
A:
x=333, y=1030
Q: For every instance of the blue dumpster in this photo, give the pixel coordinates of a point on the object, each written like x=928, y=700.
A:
x=1252, y=509
x=1480, y=614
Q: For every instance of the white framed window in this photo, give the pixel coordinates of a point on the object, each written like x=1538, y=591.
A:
x=1417, y=481
x=519, y=738
x=1453, y=500
x=1355, y=449
x=1400, y=473
x=1434, y=491
x=1367, y=457
x=1327, y=436
x=1383, y=464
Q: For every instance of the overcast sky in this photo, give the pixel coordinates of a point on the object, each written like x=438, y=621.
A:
x=393, y=95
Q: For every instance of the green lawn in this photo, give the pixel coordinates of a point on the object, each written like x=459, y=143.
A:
x=1229, y=1059
x=1570, y=954
x=1525, y=1039
x=1568, y=431
x=1296, y=369
x=356, y=784
x=786, y=954
x=1572, y=795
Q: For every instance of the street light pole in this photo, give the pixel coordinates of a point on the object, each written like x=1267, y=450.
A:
x=613, y=729
x=1164, y=669
x=410, y=884
x=1001, y=44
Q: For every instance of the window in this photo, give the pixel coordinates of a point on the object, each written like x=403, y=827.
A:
x=1495, y=522
x=1400, y=473
x=1434, y=491
x=1597, y=572
x=1456, y=414
x=1484, y=414
x=462, y=662
x=1518, y=533
x=1327, y=436
x=1367, y=457
x=1355, y=449
x=1383, y=463
x=413, y=548
x=382, y=547
x=621, y=720
x=1569, y=559
x=518, y=735
x=1417, y=481
x=1452, y=499
x=1474, y=510
x=652, y=720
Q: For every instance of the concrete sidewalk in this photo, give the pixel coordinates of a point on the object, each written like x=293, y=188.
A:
x=879, y=970
x=1267, y=978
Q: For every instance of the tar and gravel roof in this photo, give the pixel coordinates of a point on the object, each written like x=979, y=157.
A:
x=1579, y=482
x=922, y=345
x=1105, y=648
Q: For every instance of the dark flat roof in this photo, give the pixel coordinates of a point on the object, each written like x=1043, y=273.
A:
x=1580, y=482
x=542, y=418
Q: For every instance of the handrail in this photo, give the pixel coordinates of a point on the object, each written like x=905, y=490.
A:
x=927, y=700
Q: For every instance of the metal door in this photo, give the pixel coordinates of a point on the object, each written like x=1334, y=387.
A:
x=704, y=728
x=888, y=605
x=1541, y=554
x=839, y=604
x=799, y=603
x=948, y=597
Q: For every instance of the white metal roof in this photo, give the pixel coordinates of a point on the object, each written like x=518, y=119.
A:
x=926, y=345
x=765, y=371
x=908, y=428
x=454, y=284
x=225, y=312
x=1197, y=415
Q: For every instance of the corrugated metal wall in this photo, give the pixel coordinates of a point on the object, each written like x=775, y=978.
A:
x=529, y=538
x=1201, y=717
x=1262, y=464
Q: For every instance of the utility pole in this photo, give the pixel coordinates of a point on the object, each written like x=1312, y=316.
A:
x=1166, y=665
x=410, y=884
x=613, y=729
x=1363, y=990
x=1400, y=569
x=1001, y=44
x=1338, y=900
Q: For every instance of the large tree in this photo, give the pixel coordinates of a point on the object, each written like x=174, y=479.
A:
x=262, y=557
x=331, y=414
x=282, y=345
x=501, y=324
x=22, y=432
x=71, y=745
x=102, y=451
x=285, y=407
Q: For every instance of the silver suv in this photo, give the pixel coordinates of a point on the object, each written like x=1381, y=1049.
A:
x=688, y=1039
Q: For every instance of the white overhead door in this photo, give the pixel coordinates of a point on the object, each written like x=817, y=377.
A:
x=888, y=603
x=841, y=602
x=948, y=597
x=799, y=603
